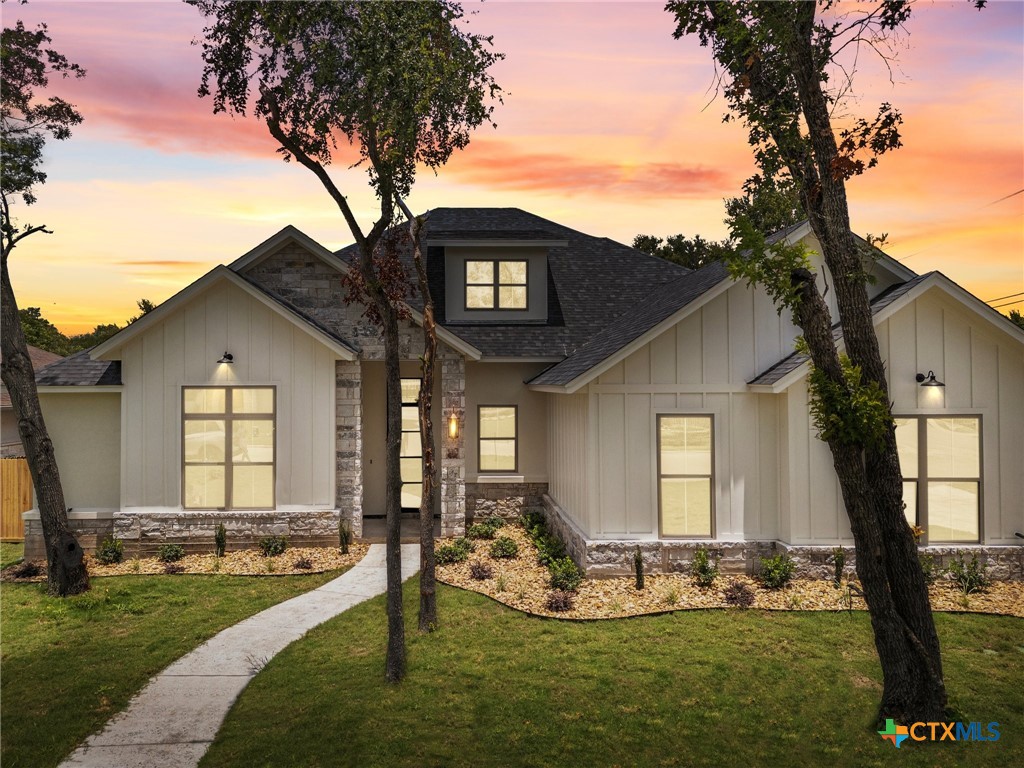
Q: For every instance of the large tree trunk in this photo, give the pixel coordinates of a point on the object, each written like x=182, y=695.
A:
x=428, y=580
x=66, y=572
x=887, y=561
x=395, y=664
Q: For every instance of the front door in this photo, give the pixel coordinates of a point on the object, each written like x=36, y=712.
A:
x=412, y=449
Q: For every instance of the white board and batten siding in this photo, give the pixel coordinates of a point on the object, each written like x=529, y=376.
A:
x=983, y=373
x=183, y=350
x=604, y=460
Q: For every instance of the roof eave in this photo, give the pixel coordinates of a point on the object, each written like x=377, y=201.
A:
x=200, y=286
x=625, y=351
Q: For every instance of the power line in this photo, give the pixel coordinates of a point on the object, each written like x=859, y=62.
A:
x=1007, y=304
x=1007, y=197
x=1005, y=297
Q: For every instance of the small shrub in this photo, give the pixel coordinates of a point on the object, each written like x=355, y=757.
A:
x=928, y=567
x=671, y=595
x=268, y=564
x=481, y=531
x=170, y=553
x=565, y=575
x=136, y=565
x=549, y=549
x=504, y=548
x=173, y=567
x=215, y=568
x=303, y=564
x=271, y=546
x=495, y=522
x=969, y=577
x=838, y=561
x=559, y=601
x=455, y=552
x=739, y=595
x=704, y=568
x=220, y=540
x=110, y=551
x=481, y=571
x=533, y=523
x=501, y=583
x=26, y=570
x=638, y=568
x=777, y=572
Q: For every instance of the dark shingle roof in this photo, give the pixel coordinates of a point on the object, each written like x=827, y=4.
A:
x=791, y=362
x=590, y=280
x=656, y=307
x=40, y=359
x=80, y=370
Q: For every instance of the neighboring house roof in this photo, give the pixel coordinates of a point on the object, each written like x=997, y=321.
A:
x=40, y=359
x=590, y=280
x=80, y=370
x=608, y=344
x=791, y=368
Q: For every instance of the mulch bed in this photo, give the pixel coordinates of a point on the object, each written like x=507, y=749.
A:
x=246, y=562
x=522, y=584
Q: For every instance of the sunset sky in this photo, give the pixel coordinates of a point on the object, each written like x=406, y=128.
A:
x=608, y=125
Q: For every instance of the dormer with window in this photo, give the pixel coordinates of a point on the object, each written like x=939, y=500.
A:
x=496, y=281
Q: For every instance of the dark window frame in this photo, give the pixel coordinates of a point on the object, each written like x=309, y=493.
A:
x=229, y=418
x=496, y=286
x=480, y=440
x=711, y=476
x=921, y=513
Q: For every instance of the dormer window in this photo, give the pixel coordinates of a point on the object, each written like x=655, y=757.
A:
x=496, y=284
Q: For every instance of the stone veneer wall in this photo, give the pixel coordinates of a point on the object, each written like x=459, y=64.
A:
x=89, y=531
x=348, y=479
x=615, y=558
x=504, y=499
x=453, y=451
x=144, y=532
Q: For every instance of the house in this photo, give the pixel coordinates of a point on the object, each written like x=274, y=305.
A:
x=634, y=402
x=10, y=440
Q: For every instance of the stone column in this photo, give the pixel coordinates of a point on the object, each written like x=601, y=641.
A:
x=349, y=444
x=453, y=451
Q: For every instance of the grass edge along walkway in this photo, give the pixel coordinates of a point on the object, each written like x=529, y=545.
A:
x=173, y=720
x=69, y=664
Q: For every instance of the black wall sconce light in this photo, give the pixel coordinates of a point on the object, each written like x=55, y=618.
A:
x=929, y=380
x=229, y=358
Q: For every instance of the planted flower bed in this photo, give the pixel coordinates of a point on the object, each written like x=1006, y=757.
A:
x=528, y=583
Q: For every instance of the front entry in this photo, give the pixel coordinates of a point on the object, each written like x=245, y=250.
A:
x=412, y=449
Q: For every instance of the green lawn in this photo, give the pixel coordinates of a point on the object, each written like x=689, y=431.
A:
x=497, y=688
x=66, y=666
x=10, y=553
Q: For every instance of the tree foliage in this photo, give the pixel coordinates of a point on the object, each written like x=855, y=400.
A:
x=1016, y=318
x=692, y=253
x=41, y=333
x=401, y=84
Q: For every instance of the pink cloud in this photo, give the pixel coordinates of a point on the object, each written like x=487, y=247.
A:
x=505, y=165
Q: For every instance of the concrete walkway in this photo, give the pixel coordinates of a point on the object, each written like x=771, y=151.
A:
x=173, y=720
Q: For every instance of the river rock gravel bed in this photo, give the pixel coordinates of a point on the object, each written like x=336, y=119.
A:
x=523, y=584
x=243, y=562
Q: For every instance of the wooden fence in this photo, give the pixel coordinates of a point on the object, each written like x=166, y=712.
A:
x=16, y=493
